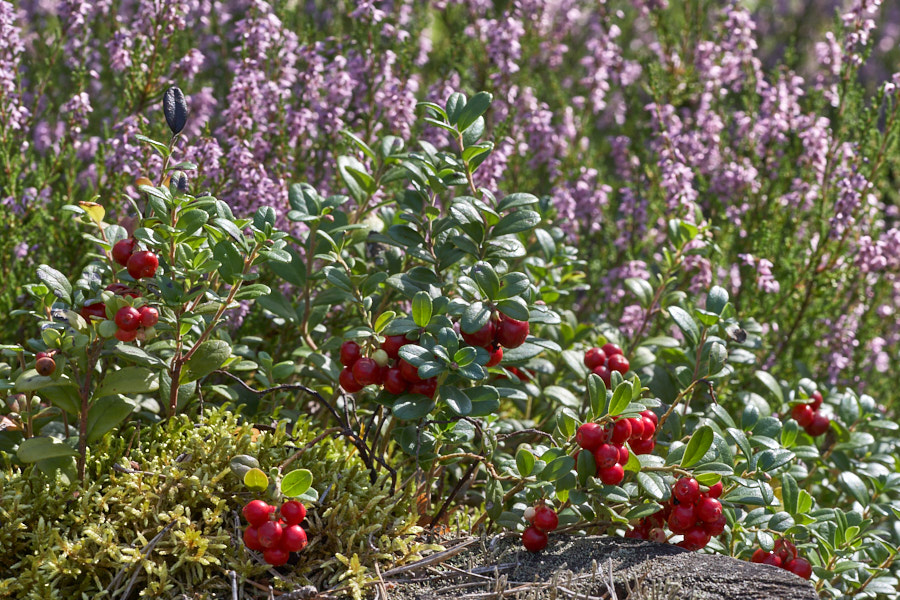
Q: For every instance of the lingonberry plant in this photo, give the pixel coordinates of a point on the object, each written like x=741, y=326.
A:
x=143, y=320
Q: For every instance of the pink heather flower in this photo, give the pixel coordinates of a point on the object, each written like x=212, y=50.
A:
x=765, y=280
x=13, y=114
x=77, y=109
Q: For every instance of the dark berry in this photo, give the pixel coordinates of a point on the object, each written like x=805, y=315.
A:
x=695, y=538
x=606, y=456
x=293, y=512
x=126, y=336
x=590, y=435
x=545, y=518
x=621, y=431
x=270, y=534
x=256, y=512
x=496, y=355
x=122, y=251
x=365, y=371
x=350, y=353
x=643, y=446
x=534, y=539
x=819, y=425
x=293, y=538
x=427, y=387
x=799, y=567
x=392, y=345
x=142, y=264
x=511, y=333
x=394, y=382
x=149, y=316
x=347, y=381
x=759, y=555
x=687, y=490
x=619, y=363
x=96, y=309
x=715, y=490
x=611, y=475
x=128, y=318
x=593, y=358
x=803, y=414
x=276, y=556
x=709, y=510
x=682, y=518
x=120, y=289
x=45, y=366
x=481, y=338
x=251, y=538
x=610, y=349
x=817, y=400
x=409, y=372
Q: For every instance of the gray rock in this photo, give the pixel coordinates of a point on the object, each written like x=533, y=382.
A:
x=582, y=567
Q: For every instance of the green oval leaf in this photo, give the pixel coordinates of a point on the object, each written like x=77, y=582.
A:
x=256, y=480
x=524, y=462
x=685, y=323
x=40, y=448
x=130, y=380
x=698, y=445
x=211, y=355
x=422, y=309
x=295, y=483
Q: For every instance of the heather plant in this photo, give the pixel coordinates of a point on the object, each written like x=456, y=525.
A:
x=644, y=284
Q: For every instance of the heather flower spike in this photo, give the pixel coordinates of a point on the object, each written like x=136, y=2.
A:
x=175, y=109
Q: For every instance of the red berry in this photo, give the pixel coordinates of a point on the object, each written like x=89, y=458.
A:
x=715, y=490
x=534, y=539
x=128, y=318
x=276, y=556
x=251, y=538
x=619, y=363
x=122, y=250
x=149, y=316
x=819, y=425
x=610, y=349
x=621, y=431
x=803, y=414
x=606, y=456
x=816, y=400
x=545, y=518
x=772, y=559
x=348, y=382
x=126, y=336
x=256, y=512
x=120, y=289
x=695, y=538
x=511, y=333
x=785, y=549
x=293, y=512
x=623, y=455
x=142, y=264
x=45, y=365
x=392, y=345
x=427, y=387
x=496, y=355
x=481, y=338
x=350, y=353
x=593, y=358
x=293, y=538
x=687, y=490
x=590, y=436
x=409, y=372
x=97, y=309
x=605, y=374
x=649, y=428
x=709, y=510
x=637, y=428
x=270, y=534
x=759, y=555
x=394, y=382
x=649, y=414
x=682, y=518
x=716, y=527
x=643, y=446
x=799, y=567
x=365, y=371
x=611, y=475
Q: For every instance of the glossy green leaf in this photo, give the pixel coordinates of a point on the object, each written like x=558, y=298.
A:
x=211, y=355
x=524, y=462
x=41, y=448
x=256, y=480
x=295, y=483
x=700, y=442
x=130, y=380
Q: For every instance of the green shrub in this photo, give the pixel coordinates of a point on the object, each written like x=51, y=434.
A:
x=69, y=541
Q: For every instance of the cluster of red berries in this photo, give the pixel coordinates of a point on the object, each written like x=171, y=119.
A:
x=543, y=519
x=607, y=443
x=384, y=367
x=785, y=556
x=142, y=263
x=275, y=538
x=44, y=363
x=505, y=332
x=809, y=417
x=694, y=514
x=129, y=319
x=603, y=361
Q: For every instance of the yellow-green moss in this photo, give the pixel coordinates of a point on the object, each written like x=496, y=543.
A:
x=70, y=542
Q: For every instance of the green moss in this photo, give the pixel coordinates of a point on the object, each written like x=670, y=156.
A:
x=69, y=542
